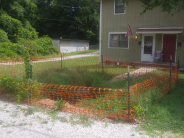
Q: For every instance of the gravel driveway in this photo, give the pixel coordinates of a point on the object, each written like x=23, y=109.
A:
x=22, y=121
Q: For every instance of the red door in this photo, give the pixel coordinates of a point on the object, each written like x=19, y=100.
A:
x=169, y=47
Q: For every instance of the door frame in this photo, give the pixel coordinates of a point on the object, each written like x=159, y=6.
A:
x=176, y=43
x=142, y=45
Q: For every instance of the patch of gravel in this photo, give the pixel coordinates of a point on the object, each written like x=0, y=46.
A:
x=135, y=73
x=23, y=121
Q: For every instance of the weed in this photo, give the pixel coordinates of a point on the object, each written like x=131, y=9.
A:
x=106, y=125
x=81, y=120
x=63, y=119
x=53, y=114
x=139, y=111
x=44, y=122
x=60, y=104
x=14, y=114
x=22, y=124
x=18, y=97
x=29, y=111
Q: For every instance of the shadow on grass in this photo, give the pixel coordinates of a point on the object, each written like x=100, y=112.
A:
x=168, y=114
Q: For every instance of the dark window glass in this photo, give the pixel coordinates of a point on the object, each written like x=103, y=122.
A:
x=118, y=40
x=148, y=44
x=119, y=7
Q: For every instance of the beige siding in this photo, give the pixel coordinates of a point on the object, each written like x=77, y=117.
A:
x=119, y=23
x=158, y=44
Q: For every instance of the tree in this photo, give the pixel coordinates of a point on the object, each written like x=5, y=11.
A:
x=70, y=19
x=168, y=6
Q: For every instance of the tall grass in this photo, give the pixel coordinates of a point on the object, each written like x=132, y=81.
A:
x=167, y=115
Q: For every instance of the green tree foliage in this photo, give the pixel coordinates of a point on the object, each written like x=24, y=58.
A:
x=15, y=29
x=19, y=9
x=3, y=36
x=42, y=46
x=70, y=19
x=168, y=6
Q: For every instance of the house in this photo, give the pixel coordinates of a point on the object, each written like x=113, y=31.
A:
x=152, y=31
x=71, y=45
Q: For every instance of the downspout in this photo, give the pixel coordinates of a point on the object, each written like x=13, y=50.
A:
x=100, y=32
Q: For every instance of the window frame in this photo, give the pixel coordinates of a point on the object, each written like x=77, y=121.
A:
x=115, y=9
x=109, y=38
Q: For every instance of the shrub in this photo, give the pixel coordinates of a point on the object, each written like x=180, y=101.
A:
x=11, y=50
x=45, y=46
x=3, y=36
x=16, y=30
x=20, y=89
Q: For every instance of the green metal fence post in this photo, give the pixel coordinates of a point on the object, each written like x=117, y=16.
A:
x=61, y=60
x=170, y=72
x=102, y=62
x=128, y=93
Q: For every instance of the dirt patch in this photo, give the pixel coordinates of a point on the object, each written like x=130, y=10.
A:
x=47, y=103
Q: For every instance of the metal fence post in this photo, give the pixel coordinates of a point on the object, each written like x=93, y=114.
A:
x=31, y=71
x=31, y=77
x=61, y=60
x=170, y=72
x=102, y=62
x=128, y=93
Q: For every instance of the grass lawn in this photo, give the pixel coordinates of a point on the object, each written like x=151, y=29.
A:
x=168, y=114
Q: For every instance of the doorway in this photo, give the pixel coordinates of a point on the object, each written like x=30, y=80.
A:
x=148, y=47
x=169, y=47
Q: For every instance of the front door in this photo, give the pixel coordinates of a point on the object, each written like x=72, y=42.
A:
x=169, y=47
x=148, y=47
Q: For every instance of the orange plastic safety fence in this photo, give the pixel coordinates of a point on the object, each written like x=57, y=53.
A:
x=90, y=100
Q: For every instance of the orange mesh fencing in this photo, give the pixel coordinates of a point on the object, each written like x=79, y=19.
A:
x=108, y=102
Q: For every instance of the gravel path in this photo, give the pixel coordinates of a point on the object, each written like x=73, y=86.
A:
x=22, y=121
x=56, y=59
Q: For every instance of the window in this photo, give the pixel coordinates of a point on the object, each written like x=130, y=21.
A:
x=119, y=7
x=118, y=40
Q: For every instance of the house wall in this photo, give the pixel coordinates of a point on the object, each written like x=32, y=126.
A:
x=79, y=46
x=74, y=45
x=65, y=44
x=119, y=23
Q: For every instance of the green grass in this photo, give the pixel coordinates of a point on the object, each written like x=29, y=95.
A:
x=168, y=114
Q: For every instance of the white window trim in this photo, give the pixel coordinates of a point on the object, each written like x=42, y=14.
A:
x=117, y=33
x=115, y=9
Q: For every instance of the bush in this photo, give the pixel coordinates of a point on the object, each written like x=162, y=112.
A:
x=45, y=46
x=16, y=30
x=11, y=50
x=19, y=89
x=3, y=36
